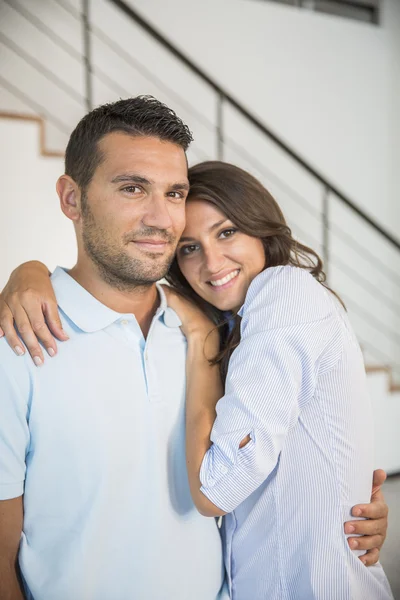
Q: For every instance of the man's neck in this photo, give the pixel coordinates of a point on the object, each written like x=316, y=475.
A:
x=142, y=301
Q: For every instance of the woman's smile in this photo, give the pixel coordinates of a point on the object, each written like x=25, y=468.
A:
x=218, y=261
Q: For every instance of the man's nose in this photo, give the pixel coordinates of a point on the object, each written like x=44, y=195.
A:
x=157, y=213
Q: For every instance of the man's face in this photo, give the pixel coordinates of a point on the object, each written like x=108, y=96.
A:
x=133, y=212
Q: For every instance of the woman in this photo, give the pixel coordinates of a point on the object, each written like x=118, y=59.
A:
x=288, y=453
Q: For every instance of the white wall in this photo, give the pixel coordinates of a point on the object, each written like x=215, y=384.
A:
x=324, y=84
x=391, y=21
x=386, y=411
x=32, y=224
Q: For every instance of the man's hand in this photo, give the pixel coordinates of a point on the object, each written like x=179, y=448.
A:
x=373, y=529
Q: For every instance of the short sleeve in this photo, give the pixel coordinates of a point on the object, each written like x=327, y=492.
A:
x=271, y=377
x=14, y=432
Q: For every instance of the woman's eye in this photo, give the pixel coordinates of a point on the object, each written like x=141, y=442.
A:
x=186, y=250
x=228, y=232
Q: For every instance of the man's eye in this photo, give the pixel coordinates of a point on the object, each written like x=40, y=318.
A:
x=131, y=189
x=228, y=232
x=176, y=195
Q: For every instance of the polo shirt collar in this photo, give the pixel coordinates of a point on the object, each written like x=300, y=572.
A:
x=88, y=313
x=170, y=318
x=79, y=305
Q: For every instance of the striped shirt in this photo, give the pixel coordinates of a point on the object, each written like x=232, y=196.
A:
x=297, y=385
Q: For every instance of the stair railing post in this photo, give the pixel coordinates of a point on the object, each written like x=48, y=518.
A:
x=87, y=60
x=325, y=230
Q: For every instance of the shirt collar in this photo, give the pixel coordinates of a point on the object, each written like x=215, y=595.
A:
x=79, y=305
x=170, y=317
x=88, y=313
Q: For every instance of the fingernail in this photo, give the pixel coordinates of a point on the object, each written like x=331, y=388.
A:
x=357, y=512
x=350, y=528
x=51, y=352
x=37, y=360
x=18, y=350
x=364, y=562
x=65, y=335
x=354, y=544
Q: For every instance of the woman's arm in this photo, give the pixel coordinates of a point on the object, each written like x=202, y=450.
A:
x=28, y=300
x=203, y=390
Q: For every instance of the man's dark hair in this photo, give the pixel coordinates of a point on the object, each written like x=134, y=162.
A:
x=140, y=116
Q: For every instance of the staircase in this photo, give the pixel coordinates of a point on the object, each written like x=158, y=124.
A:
x=60, y=57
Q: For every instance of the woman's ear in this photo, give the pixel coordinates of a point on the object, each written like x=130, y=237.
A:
x=70, y=197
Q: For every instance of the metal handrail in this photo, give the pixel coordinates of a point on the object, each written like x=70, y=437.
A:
x=329, y=191
x=35, y=64
x=38, y=108
x=157, y=35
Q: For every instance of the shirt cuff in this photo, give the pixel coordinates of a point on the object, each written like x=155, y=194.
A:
x=227, y=485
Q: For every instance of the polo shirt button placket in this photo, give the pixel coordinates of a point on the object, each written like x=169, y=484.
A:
x=152, y=387
x=150, y=373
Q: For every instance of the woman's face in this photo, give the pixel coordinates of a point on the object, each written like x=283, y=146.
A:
x=218, y=261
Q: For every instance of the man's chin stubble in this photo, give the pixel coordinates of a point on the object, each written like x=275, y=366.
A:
x=131, y=279
x=116, y=267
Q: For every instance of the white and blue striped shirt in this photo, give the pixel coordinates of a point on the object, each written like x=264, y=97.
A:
x=296, y=384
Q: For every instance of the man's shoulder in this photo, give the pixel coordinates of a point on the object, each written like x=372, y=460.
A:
x=15, y=371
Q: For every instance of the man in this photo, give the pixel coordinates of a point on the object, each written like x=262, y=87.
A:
x=92, y=466
x=94, y=498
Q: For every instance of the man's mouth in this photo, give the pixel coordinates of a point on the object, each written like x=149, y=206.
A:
x=151, y=245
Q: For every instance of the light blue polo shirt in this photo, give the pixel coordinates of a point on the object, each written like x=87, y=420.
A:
x=95, y=441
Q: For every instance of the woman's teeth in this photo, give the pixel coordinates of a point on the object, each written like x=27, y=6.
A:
x=225, y=279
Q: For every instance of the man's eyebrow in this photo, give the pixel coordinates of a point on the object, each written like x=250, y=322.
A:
x=180, y=186
x=132, y=178
x=215, y=226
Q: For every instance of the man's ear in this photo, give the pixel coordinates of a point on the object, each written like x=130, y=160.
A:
x=70, y=197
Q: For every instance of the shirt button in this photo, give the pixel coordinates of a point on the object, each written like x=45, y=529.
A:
x=124, y=322
x=223, y=469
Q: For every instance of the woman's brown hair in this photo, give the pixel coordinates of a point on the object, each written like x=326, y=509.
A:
x=253, y=210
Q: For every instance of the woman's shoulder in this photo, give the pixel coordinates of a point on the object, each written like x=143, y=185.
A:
x=287, y=295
